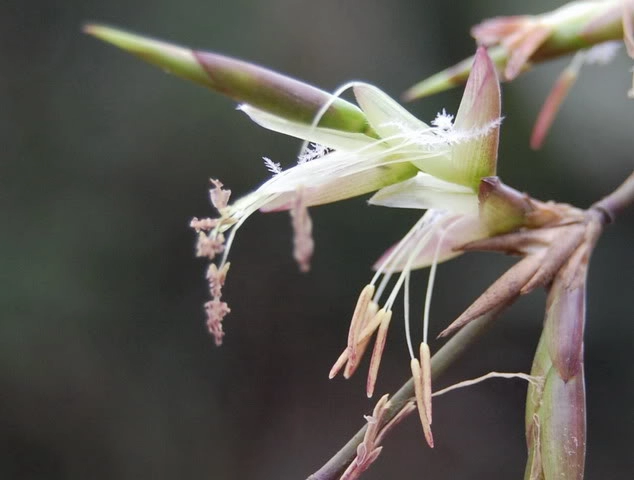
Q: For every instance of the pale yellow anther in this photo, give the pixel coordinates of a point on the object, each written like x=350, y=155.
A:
x=425, y=364
x=373, y=320
x=356, y=324
x=370, y=313
x=418, y=389
x=367, y=328
x=360, y=350
x=341, y=361
x=384, y=318
x=369, y=325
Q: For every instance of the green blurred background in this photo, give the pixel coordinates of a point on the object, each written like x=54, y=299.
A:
x=106, y=369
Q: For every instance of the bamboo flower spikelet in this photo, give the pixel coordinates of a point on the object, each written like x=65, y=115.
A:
x=410, y=164
x=593, y=30
x=446, y=169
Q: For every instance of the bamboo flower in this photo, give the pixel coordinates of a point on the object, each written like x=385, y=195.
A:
x=437, y=167
x=593, y=29
x=517, y=42
x=348, y=151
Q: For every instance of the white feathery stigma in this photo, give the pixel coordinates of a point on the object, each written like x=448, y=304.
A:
x=271, y=166
x=443, y=120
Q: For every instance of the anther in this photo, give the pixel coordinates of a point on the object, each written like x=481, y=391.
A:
x=379, y=345
x=425, y=363
x=418, y=389
x=356, y=324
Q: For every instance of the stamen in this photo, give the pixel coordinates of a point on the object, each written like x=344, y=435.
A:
x=371, y=323
x=418, y=389
x=379, y=345
x=425, y=363
x=362, y=345
x=356, y=323
x=341, y=361
x=367, y=328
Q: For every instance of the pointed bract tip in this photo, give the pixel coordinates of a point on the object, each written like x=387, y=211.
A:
x=120, y=38
x=439, y=82
x=97, y=29
x=479, y=115
x=88, y=28
x=172, y=58
x=360, y=312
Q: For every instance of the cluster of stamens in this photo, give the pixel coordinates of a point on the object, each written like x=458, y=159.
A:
x=368, y=318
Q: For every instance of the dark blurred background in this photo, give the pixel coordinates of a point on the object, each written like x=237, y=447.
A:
x=106, y=368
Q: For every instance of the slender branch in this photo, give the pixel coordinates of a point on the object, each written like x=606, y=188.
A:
x=444, y=357
x=618, y=200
